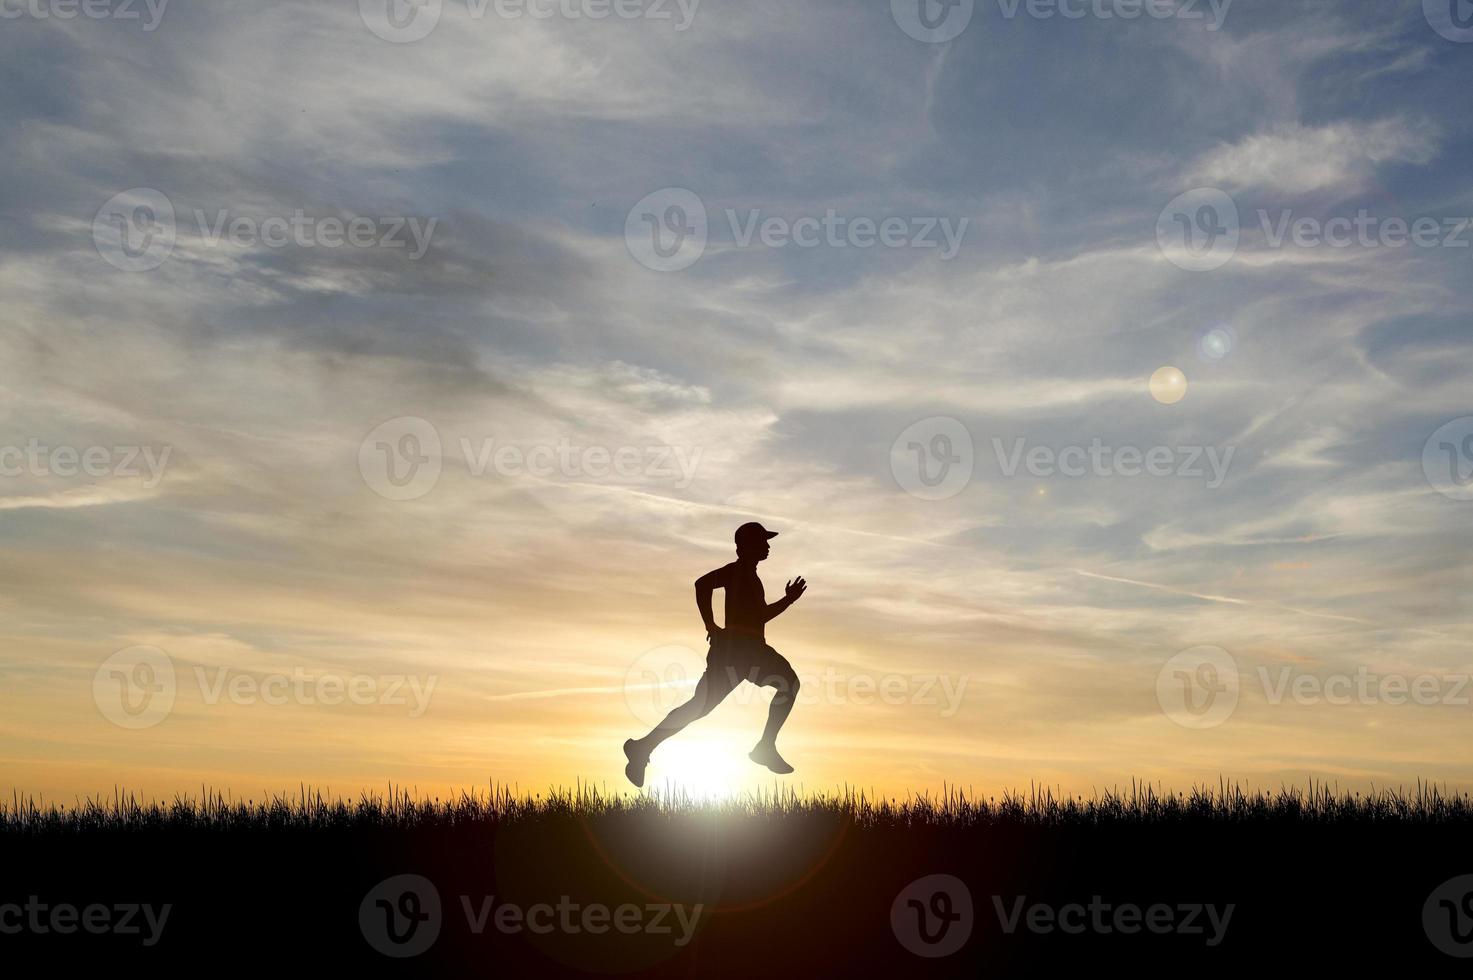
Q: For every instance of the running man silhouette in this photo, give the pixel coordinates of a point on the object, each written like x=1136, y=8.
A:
x=739, y=652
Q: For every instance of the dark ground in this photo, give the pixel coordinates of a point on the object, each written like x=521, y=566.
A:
x=789, y=888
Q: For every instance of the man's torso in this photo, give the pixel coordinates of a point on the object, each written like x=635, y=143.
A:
x=746, y=601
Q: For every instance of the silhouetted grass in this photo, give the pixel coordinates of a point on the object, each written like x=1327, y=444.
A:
x=810, y=879
x=400, y=809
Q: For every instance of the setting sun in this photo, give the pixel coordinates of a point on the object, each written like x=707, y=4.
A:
x=705, y=765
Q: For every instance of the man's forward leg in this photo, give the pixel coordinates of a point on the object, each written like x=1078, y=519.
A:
x=777, y=673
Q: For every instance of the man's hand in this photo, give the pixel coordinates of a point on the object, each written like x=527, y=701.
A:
x=795, y=589
x=713, y=633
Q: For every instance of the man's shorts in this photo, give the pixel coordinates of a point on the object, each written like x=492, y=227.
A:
x=743, y=657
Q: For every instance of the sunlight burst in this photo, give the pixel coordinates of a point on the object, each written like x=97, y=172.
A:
x=707, y=767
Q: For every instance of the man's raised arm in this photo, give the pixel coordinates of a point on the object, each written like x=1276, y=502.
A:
x=791, y=594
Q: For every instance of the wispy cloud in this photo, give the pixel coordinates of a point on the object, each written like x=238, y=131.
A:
x=1297, y=159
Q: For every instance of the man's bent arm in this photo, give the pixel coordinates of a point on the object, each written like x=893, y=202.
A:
x=776, y=609
x=705, y=585
x=791, y=594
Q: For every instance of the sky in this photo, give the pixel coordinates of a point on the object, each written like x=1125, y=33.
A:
x=376, y=381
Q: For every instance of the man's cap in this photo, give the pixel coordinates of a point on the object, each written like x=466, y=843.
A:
x=752, y=532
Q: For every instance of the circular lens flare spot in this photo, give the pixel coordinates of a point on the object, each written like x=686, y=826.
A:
x=1217, y=344
x=1168, y=385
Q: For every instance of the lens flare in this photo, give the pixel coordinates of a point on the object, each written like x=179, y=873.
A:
x=1168, y=385
x=702, y=767
x=1217, y=344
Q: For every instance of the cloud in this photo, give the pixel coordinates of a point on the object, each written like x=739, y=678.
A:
x=787, y=373
x=1298, y=159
